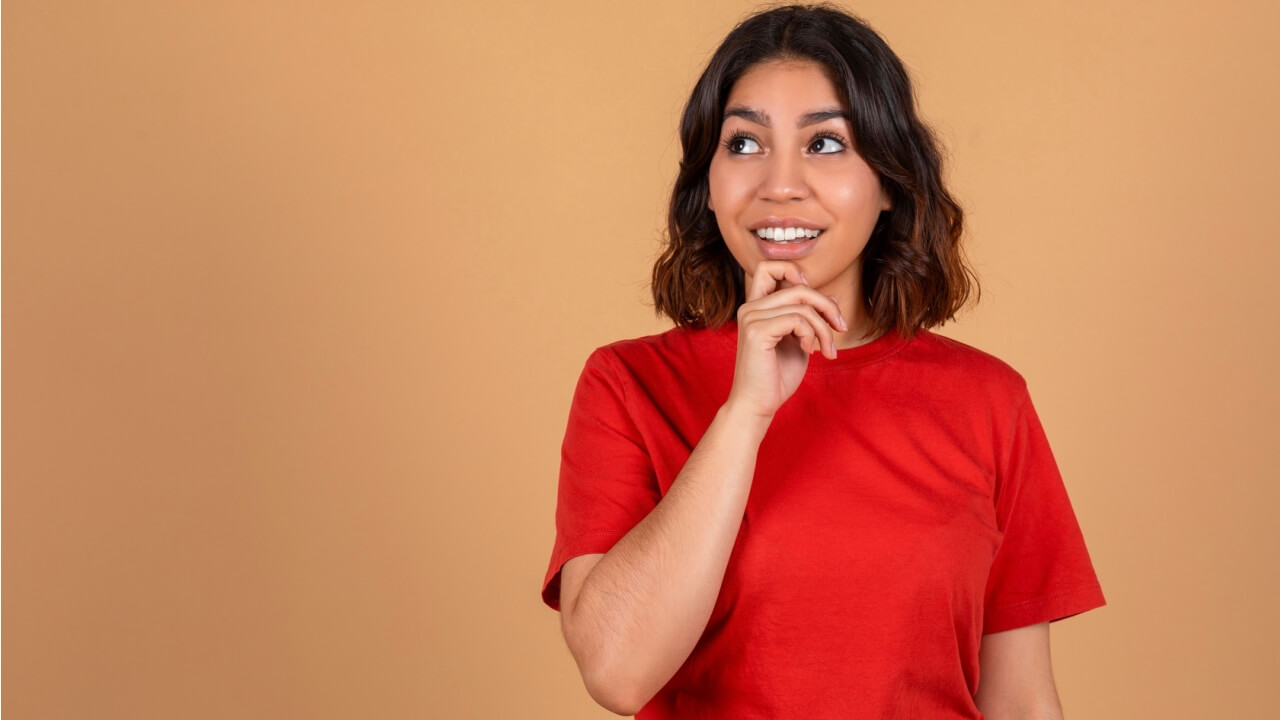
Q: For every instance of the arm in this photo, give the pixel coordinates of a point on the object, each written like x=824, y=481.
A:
x=1016, y=676
x=643, y=606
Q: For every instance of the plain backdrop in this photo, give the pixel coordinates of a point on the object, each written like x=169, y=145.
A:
x=295, y=296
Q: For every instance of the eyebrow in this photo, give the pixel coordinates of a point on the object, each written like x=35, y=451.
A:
x=760, y=117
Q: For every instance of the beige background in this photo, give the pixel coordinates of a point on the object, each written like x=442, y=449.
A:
x=295, y=295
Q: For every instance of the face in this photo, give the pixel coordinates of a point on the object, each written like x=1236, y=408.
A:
x=786, y=160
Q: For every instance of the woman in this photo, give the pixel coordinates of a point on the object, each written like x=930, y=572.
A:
x=800, y=502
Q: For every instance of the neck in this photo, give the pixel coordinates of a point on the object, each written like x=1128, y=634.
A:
x=848, y=295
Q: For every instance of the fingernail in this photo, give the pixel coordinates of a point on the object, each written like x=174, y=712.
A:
x=803, y=278
x=843, y=325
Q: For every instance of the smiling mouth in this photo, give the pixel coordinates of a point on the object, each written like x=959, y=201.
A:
x=787, y=236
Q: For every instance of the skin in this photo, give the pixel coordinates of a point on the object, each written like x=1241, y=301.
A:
x=785, y=171
x=1016, y=675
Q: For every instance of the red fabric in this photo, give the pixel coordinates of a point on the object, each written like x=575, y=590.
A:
x=905, y=502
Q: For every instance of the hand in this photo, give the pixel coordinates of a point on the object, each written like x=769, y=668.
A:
x=782, y=323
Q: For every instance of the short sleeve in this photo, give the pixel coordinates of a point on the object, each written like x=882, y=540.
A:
x=1042, y=571
x=607, y=479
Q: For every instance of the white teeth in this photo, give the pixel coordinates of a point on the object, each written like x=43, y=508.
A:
x=787, y=234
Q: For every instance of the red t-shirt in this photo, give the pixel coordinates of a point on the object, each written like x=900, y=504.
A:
x=905, y=502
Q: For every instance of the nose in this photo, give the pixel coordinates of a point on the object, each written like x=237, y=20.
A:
x=783, y=178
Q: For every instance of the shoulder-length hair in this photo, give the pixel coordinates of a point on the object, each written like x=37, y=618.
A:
x=914, y=274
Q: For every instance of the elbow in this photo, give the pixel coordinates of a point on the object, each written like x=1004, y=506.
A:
x=608, y=687
x=612, y=687
x=614, y=697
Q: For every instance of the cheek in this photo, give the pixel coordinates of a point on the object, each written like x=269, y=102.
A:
x=728, y=185
x=856, y=198
x=715, y=182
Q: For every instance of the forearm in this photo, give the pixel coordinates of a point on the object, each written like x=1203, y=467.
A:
x=644, y=605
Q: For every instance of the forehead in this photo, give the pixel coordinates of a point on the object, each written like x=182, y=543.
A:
x=785, y=86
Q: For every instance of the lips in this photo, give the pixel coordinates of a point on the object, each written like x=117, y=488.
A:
x=785, y=222
x=790, y=251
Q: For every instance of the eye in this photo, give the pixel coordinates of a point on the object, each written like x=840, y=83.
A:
x=829, y=139
x=738, y=139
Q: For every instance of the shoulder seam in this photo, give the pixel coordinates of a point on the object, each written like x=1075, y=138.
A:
x=1007, y=453
x=607, y=359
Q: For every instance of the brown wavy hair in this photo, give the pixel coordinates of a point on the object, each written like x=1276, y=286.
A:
x=914, y=274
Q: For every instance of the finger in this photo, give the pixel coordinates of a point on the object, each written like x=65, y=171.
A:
x=770, y=330
x=825, y=304
x=820, y=333
x=835, y=312
x=798, y=324
x=770, y=274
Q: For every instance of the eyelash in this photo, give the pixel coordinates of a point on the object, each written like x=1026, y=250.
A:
x=740, y=134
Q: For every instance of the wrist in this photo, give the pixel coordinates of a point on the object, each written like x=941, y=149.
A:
x=742, y=418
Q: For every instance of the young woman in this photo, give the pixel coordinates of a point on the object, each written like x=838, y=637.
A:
x=800, y=502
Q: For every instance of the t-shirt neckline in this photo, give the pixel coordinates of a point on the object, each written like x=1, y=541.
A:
x=859, y=356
